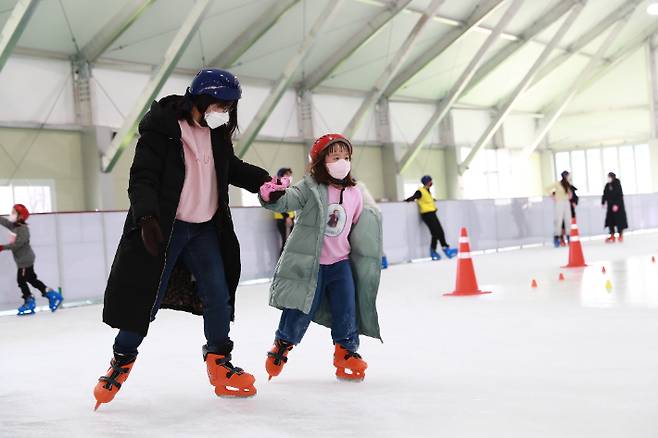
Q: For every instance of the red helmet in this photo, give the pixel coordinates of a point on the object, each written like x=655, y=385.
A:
x=324, y=142
x=22, y=212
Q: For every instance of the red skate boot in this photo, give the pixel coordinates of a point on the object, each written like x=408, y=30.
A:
x=611, y=239
x=228, y=380
x=349, y=365
x=109, y=385
x=277, y=357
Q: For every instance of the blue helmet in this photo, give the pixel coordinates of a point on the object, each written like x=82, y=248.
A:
x=425, y=179
x=220, y=84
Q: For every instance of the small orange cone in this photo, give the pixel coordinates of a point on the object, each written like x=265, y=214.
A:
x=466, y=283
x=653, y=259
x=603, y=270
x=561, y=278
x=576, y=257
x=534, y=283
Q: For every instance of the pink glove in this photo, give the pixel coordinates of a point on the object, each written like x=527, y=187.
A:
x=615, y=208
x=271, y=191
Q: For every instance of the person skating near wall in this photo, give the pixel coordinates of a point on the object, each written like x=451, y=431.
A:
x=566, y=227
x=24, y=257
x=613, y=198
x=562, y=193
x=427, y=208
x=179, y=227
x=330, y=268
x=285, y=221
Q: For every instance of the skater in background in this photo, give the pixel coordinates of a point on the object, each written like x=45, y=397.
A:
x=562, y=195
x=427, y=209
x=613, y=198
x=24, y=258
x=284, y=221
x=565, y=237
x=329, y=270
x=179, y=228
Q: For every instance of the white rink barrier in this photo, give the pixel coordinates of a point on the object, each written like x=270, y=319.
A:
x=75, y=250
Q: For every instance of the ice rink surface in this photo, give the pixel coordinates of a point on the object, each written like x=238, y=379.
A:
x=568, y=359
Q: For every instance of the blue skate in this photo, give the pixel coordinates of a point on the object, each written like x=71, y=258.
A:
x=556, y=241
x=28, y=307
x=450, y=252
x=435, y=255
x=384, y=262
x=54, y=299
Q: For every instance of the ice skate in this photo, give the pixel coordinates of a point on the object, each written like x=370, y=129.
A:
x=611, y=239
x=620, y=239
x=349, y=365
x=450, y=252
x=277, y=357
x=228, y=380
x=109, y=385
x=54, y=299
x=28, y=307
x=556, y=241
x=435, y=255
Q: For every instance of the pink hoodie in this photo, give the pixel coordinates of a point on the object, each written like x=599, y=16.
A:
x=199, y=199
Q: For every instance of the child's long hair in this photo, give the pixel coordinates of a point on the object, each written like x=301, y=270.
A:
x=318, y=169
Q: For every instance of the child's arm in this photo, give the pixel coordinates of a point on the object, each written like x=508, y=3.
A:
x=293, y=198
x=415, y=196
x=22, y=238
x=5, y=222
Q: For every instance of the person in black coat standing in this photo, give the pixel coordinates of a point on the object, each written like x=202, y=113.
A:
x=178, y=249
x=613, y=196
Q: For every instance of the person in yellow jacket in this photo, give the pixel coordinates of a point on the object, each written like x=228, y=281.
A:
x=284, y=221
x=427, y=209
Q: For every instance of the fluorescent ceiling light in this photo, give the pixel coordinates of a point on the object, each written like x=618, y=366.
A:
x=652, y=8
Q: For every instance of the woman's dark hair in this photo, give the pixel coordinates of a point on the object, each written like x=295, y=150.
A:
x=318, y=169
x=202, y=102
x=566, y=185
x=612, y=175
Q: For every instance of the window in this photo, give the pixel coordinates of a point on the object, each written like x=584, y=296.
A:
x=595, y=175
x=631, y=164
x=643, y=171
x=37, y=198
x=489, y=175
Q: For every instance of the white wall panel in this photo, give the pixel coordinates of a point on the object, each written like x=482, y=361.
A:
x=469, y=125
x=332, y=114
x=408, y=119
x=519, y=131
x=34, y=90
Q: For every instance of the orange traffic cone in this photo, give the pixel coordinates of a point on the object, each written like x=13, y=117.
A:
x=534, y=283
x=653, y=259
x=576, y=258
x=467, y=284
x=603, y=270
x=561, y=278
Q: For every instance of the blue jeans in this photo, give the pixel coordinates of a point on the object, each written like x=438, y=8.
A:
x=197, y=245
x=337, y=283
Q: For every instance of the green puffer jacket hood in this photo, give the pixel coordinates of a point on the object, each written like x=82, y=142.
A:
x=296, y=273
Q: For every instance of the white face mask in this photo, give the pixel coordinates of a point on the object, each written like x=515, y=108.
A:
x=339, y=169
x=13, y=217
x=610, y=180
x=215, y=119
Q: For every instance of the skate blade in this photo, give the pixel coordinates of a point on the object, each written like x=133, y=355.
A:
x=356, y=377
x=56, y=306
x=98, y=404
x=230, y=392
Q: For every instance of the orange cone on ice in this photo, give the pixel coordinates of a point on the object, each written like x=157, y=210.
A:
x=467, y=284
x=603, y=271
x=533, y=284
x=653, y=259
x=561, y=277
x=576, y=257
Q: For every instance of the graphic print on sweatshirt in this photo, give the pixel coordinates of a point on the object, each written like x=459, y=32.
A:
x=336, y=219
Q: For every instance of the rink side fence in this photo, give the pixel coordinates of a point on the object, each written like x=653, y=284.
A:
x=75, y=250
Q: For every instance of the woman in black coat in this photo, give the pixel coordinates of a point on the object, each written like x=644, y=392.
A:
x=613, y=196
x=183, y=164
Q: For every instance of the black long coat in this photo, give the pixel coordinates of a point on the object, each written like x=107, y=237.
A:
x=614, y=195
x=156, y=181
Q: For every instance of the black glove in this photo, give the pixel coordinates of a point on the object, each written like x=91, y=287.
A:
x=151, y=235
